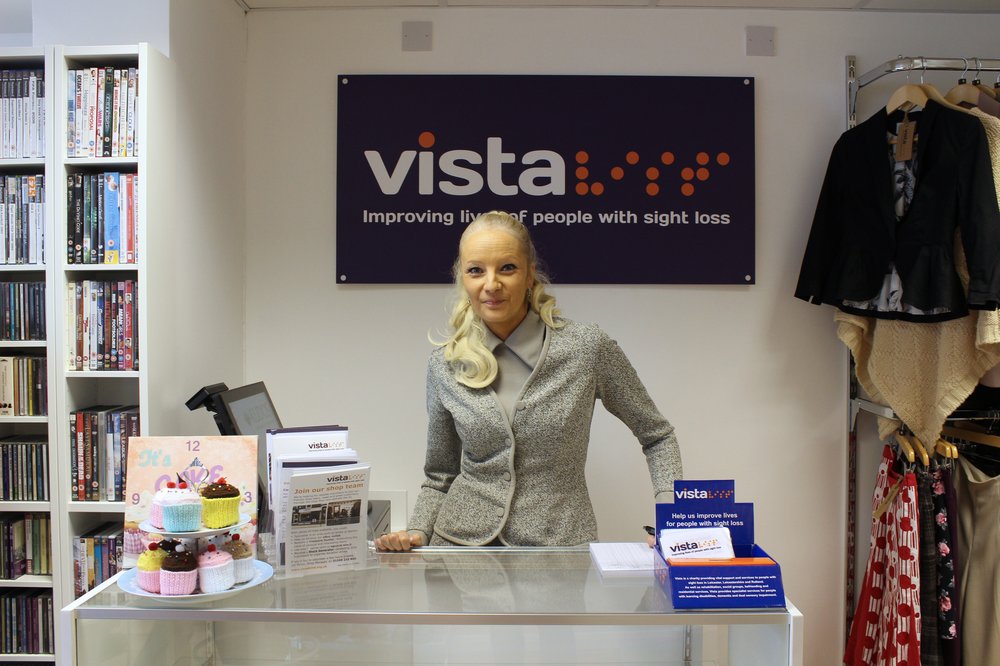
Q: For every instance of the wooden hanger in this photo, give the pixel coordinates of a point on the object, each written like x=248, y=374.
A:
x=934, y=94
x=906, y=97
x=946, y=449
x=986, y=90
x=963, y=92
x=971, y=436
x=905, y=447
x=979, y=84
x=919, y=450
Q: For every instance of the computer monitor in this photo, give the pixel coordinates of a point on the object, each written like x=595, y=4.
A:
x=248, y=410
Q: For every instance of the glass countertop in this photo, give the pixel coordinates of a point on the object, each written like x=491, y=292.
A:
x=438, y=586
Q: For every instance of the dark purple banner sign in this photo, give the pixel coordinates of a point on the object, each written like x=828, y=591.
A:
x=620, y=179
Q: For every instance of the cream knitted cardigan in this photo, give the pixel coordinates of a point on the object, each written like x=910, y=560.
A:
x=924, y=371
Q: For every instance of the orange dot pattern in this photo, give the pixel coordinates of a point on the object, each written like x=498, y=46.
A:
x=582, y=173
x=426, y=139
x=699, y=172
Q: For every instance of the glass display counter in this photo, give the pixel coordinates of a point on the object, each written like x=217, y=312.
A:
x=432, y=606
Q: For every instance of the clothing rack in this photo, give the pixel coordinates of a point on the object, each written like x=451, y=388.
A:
x=855, y=83
x=920, y=64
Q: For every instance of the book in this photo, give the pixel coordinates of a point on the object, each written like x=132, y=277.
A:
x=71, y=76
x=79, y=148
x=99, y=114
x=131, y=139
x=112, y=213
x=92, y=105
x=6, y=386
x=108, y=91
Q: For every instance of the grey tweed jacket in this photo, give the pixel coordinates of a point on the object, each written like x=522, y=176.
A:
x=522, y=481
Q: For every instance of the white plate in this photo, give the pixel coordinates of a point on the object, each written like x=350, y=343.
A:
x=127, y=582
x=148, y=527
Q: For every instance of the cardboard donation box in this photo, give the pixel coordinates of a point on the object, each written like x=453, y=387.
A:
x=752, y=579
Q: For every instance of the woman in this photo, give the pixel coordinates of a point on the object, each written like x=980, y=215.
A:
x=510, y=396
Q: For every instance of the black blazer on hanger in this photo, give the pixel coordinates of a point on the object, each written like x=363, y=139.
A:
x=856, y=234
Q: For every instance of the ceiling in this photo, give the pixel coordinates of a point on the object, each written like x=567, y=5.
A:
x=944, y=6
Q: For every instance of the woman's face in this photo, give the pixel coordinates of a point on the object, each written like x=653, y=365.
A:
x=496, y=276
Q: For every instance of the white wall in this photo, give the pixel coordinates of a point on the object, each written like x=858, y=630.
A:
x=753, y=380
x=203, y=254
x=207, y=257
x=101, y=22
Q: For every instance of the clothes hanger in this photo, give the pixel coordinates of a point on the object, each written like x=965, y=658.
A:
x=918, y=449
x=979, y=84
x=906, y=97
x=934, y=94
x=905, y=447
x=946, y=449
x=964, y=92
x=971, y=436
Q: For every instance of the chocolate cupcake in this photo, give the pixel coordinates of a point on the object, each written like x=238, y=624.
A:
x=178, y=572
x=220, y=504
x=243, y=566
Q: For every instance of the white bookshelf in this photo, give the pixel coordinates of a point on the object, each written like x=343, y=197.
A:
x=79, y=389
x=41, y=59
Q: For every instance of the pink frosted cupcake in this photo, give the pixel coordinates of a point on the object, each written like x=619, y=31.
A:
x=181, y=509
x=215, y=570
x=134, y=543
x=179, y=572
x=156, y=508
x=148, y=569
x=243, y=568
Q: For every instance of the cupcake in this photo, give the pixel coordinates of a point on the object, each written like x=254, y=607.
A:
x=156, y=508
x=181, y=509
x=215, y=570
x=134, y=543
x=148, y=576
x=243, y=567
x=221, y=504
x=168, y=545
x=178, y=572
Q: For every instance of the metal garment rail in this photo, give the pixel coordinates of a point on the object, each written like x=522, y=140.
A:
x=909, y=64
x=855, y=83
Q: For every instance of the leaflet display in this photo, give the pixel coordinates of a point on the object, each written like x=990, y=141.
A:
x=751, y=579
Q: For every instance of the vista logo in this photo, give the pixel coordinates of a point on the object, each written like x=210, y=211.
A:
x=466, y=172
x=688, y=546
x=319, y=445
x=698, y=493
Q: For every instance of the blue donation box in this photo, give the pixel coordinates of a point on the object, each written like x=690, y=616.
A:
x=751, y=580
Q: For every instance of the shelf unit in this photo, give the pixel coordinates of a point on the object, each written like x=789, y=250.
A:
x=35, y=59
x=80, y=389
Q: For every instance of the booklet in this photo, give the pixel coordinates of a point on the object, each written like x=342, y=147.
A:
x=327, y=520
x=288, y=466
x=300, y=440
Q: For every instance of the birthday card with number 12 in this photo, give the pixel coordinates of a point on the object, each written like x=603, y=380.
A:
x=195, y=462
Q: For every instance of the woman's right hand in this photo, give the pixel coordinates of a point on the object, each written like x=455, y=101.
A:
x=399, y=541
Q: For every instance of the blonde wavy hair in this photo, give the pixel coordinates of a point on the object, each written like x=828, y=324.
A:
x=465, y=348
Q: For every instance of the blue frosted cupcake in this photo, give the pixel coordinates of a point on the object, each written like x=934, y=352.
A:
x=182, y=510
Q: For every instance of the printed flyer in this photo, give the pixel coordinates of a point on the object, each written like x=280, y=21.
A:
x=197, y=461
x=327, y=520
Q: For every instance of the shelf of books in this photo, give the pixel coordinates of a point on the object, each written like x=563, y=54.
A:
x=27, y=374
